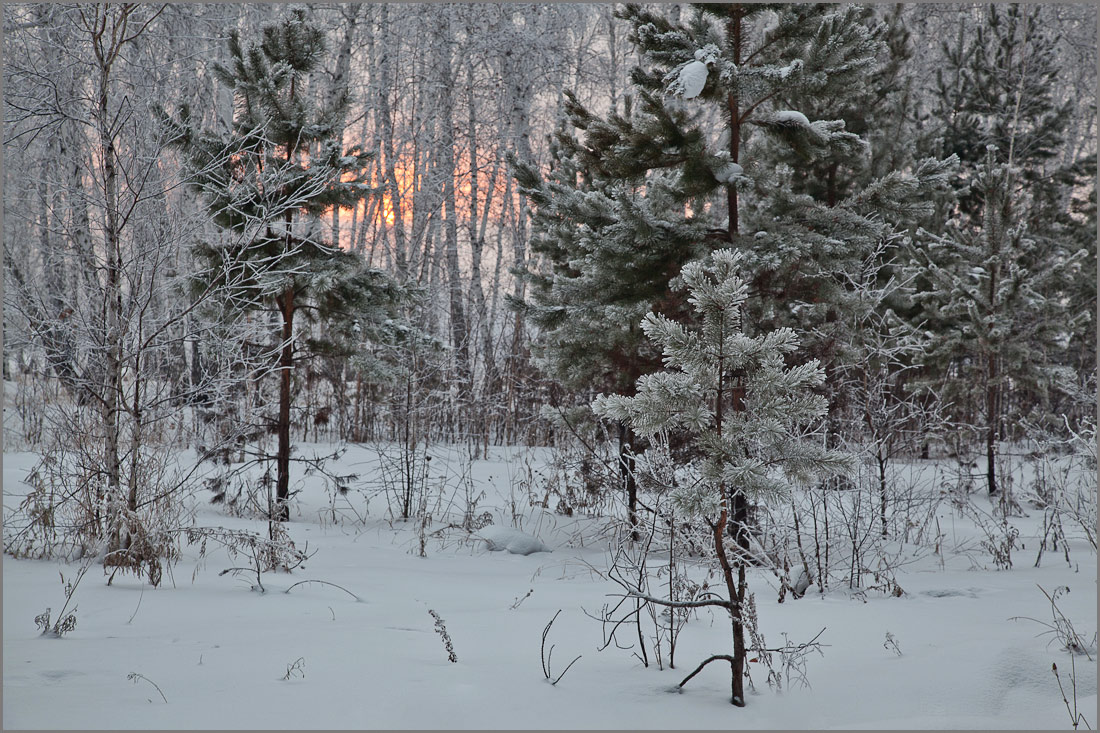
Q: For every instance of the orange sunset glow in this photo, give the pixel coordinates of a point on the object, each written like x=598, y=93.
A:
x=380, y=212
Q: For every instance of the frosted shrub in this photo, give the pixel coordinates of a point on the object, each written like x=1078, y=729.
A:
x=1063, y=484
x=264, y=554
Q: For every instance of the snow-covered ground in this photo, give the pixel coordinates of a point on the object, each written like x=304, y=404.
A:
x=224, y=656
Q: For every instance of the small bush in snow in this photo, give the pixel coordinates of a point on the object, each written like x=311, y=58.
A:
x=65, y=622
x=1061, y=628
x=134, y=677
x=546, y=656
x=297, y=668
x=441, y=629
x=276, y=552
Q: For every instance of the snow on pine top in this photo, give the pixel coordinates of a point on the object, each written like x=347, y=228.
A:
x=693, y=77
x=791, y=116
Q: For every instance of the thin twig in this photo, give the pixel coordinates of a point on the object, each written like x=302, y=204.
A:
x=542, y=648
x=566, y=670
x=325, y=582
x=135, y=677
x=704, y=663
x=633, y=593
x=800, y=647
x=1076, y=717
x=259, y=584
x=140, y=596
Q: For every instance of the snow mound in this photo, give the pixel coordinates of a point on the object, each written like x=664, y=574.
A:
x=728, y=173
x=511, y=540
x=792, y=117
x=693, y=77
x=801, y=584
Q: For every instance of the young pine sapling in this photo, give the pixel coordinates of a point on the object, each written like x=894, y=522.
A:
x=750, y=417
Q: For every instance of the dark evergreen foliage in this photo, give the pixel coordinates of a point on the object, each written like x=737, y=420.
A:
x=266, y=184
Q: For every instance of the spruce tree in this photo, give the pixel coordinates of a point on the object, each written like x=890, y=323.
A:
x=266, y=184
x=750, y=416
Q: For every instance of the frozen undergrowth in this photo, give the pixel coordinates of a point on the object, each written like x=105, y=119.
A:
x=361, y=649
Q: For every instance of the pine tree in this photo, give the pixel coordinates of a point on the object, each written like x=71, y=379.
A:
x=999, y=333
x=831, y=220
x=873, y=106
x=711, y=153
x=1081, y=289
x=996, y=87
x=996, y=274
x=266, y=184
x=750, y=416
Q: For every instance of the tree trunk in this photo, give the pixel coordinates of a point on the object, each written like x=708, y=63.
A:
x=734, y=112
x=995, y=219
x=445, y=148
x=991, y=428
x=830, y=185
x=739, y=500
x=517, y=100
x=630, y=482
x=736, y=590
x=281, y=512
x=385, y=116
x=882, y=492
x=112, y=386
x=339, y=89
x=196, y=366
x=477, y=247
x=737, y=684
x=136, y=428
